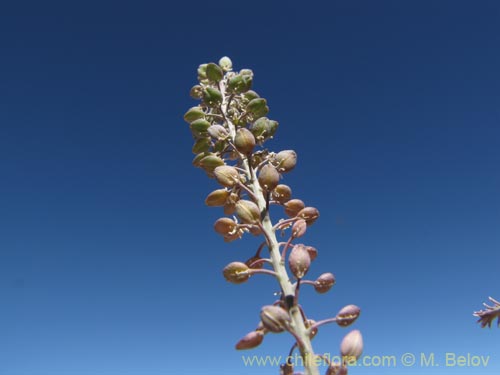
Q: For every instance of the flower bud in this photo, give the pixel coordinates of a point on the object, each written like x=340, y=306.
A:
x=293, y=207
x=193, y=114
x=226, y=64
x=352, y=345
x=250, y=341
x=214, y=72
x=217, y=131
x=217, y=198
x=244, y=141
x=282, y=193
x=236, y=272
x=274, y=318
x=196, y=92
x=299, y=228
x=299, y=261
x=324, y=282
x=309, y=214
x=240, y=83
x=257, y=108
x=247, y=211
x=268, y=177
x=286, y=160
x=225, y=226
x=210, y=162
x=226, y=175
x=313, y=253
x=347, y=315
x=212, y=97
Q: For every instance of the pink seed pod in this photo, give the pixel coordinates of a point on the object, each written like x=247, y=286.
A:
x=236, y=272
x=250, y=341
x=309, y=214
x=352, y=345
x=324, y=282
x=274, y=318
x=282, y=193
x=313, y=252
x=268, y=177
x=244, y=141
x=299, y=228
x=347, y=315
x=217, y=198
x=293, y=207
x=299, y=261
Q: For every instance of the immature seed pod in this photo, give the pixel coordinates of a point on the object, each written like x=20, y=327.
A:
x=194, y=113
x=324, y=282
x=252, y=260
x=250, y=341
x=282, y=193
x=293, y=207
x=217, y=198
x=285, y=160
x=248, y=212
x=347, y=315
x=244, y=141
x=257, y=108
x=299, y=228
x=309, y=214
x=201, y=145
x=299, y=261
x=202, y=73
x=212, y=97
x=225, y=226
x=352, y=345
x=210, y=162
x=214, y=72
x=250, y=95
x=268, y=177
x=274, y=318
x=196, y=92
x=217, y=132
x=236, y=272
x=226, y=175
x=199, y=126
x=240, y=83
x=226, y=64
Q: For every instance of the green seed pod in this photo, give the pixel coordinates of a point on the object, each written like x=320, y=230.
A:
x=202, y=73
x=347, y=315
x=226, y=175
x=214, y=72
x=210, y=162
x=259, y=128
x=226, y=64
x=250, y=95
x=201, y=145
x=250, y=341
x=239, y=83
x=217, y=132
x=193, y=114
x=199, y=127
x=299, y=261
x=324, y=282
x=282, y=194
x=212, y=97
x=352, y=345
x=268, y=177
x=197, y=159
x=272, y=127
x=248, y=212
x=285, y=160
x=217, y=198
x=274, y=318
x=309, y=214
x=244, y=141
x=196, y=92
x=257, y=108
x=293, y=207
x=236, y=272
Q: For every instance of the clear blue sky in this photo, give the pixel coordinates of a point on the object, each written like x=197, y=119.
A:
x=108, y=262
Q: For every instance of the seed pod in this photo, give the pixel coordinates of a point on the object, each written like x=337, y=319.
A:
x=257, y=108
x=250, y=95
x=336, y=369
x=226, y=64
x=226, y=175
x=285, y=160
x=217, y=198
x=293, y=207
x=240, y=83
x=212, y=97
x=247, y=211
x=201, y=145
x=309, y=214
x=313, y=253
x=194, y=113
x=225, y=226
x=299, y=228
x=197, y=159
x=352, y=345
x=202, y=73
x=210, y=162
x=324, y=282
x=268, y=177
x=214, y=72
x=199, y=127
x=196, y=92
x=252, y=260
x=309, y=323
x=244, y=141
x=286, y=369
x=282, y=193
x=251, y=340
x=299, y=261
x=348, y=315
x=236, y=272
x=274, y=318
x=217, y=132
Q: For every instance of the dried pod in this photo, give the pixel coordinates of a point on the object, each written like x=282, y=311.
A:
x=236, y=272
x=244, y=141
x=285, y=160
x=324, y=282
x=352, y=345
x=214, y=72
x=247, y=211
x=293, y=207
x=299, y=228
x=347, y=315
x=251, y=340
x=274, y=318
x=268, y=177
x=299, y=261
x=194, y=113
x=257, y=108
x=217, y=198
x=210, y=162
x=217, y=132
x=212, y=97
x=226, y=175
x=226, y=64
x=225, y=226
x=309, y=214
x=282, y=193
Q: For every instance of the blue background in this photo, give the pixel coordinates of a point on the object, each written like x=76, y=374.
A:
x=108, y=261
